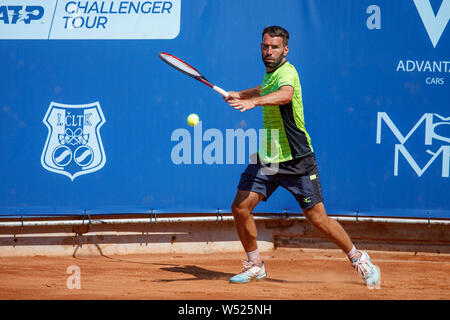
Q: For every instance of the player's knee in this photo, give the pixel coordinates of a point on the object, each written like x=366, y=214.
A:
x=320, y=222
x=240, y=211
x=318, y=217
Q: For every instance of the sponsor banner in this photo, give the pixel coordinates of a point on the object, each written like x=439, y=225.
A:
x=106, y=19
x=435, y=145
x=100, y=126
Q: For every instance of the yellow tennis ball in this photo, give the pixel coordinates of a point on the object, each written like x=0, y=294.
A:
x=192, y=120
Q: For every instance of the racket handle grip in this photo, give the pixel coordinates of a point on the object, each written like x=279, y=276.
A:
x=221, y=91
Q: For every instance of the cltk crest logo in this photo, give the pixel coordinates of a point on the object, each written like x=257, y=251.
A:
x=74, y=146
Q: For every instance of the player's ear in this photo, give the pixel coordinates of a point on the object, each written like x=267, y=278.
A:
x=285, y=51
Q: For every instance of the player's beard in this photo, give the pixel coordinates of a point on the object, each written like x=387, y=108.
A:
x=273, y=64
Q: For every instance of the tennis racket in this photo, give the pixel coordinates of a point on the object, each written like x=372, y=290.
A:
x=182, y=66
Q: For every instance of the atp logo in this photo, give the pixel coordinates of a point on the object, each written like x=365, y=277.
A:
x=25, y=14
x=434, y=24
x=74, y=146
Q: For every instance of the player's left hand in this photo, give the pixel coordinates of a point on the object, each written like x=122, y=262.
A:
x=242, y=104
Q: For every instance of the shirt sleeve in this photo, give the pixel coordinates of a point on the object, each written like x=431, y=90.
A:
x=287, y=78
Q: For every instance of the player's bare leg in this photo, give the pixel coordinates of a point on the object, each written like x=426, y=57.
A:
x=242, y=207
x=330, y=227
x=360, y=260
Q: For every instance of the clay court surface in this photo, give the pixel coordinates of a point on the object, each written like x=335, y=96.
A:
x=293, y=274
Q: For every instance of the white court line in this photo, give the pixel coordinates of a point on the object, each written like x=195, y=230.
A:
x=386, y=260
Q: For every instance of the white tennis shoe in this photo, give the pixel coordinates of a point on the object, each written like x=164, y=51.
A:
x=368, y=271
x=249, y=272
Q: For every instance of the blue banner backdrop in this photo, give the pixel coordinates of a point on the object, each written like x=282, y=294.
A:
x=94, y=124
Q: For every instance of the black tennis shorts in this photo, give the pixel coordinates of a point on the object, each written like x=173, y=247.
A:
x=299, y=176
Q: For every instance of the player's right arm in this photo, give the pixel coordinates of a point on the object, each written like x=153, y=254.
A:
x=244, y=94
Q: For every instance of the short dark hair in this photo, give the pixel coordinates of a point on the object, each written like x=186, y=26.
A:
x=277, y=31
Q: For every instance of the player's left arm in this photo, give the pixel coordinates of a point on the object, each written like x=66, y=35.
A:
x=282, y=96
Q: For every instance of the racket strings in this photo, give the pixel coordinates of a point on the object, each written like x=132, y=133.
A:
x=179, y=64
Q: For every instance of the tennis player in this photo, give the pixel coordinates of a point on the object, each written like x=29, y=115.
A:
x=291, y=165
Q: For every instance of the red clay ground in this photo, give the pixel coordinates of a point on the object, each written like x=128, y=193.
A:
x=293, y=274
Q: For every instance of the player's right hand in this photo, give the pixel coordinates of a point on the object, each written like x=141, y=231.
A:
x=232, y=95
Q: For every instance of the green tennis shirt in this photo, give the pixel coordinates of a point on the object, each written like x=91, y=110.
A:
x=284, y=134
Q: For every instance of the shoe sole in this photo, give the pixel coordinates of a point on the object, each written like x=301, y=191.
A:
x=261, y=277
